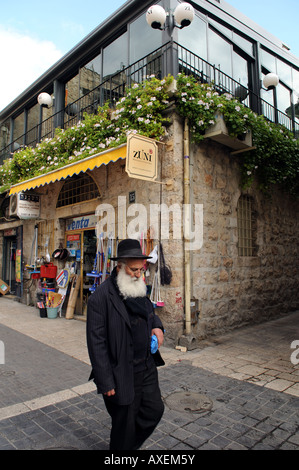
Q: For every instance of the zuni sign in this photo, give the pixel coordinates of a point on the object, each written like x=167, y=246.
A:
x=142, y=158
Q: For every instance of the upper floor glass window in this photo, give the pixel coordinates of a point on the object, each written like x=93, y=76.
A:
x=91, y=75
x=143, y=39
x=195, y=38
x=115, y=56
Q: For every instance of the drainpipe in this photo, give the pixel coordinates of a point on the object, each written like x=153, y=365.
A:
x=187, y=223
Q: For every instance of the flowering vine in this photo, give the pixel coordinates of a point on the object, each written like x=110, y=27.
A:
x=274, y=160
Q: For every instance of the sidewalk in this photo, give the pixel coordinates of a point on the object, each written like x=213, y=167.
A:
x=239, y=391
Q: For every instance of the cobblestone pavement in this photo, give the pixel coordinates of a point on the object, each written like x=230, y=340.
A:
x=239, y=391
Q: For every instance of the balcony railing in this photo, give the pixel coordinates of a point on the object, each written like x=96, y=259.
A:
x=170, y=58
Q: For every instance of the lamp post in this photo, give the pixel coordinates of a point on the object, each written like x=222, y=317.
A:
x=45, y=101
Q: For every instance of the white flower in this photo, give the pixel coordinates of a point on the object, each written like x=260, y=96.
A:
x=139, y=106
x=219, y=105
x=237, y=108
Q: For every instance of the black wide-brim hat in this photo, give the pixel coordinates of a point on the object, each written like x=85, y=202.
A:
x=129, y=248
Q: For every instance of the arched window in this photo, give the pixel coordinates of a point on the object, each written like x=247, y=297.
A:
x=78, y=188
x=247, y=226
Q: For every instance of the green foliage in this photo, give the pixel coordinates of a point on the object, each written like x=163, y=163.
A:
x=142, y=110
x=275, y=159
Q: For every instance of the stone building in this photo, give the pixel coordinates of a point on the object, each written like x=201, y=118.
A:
x=244, y=268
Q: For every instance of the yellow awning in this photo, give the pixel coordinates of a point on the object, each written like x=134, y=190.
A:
x=88, y=163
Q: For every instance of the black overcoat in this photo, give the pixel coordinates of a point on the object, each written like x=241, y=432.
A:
x=109, y=342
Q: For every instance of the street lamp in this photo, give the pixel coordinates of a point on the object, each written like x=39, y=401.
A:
x=270, y=81
x=45, y=101
x=183, y=16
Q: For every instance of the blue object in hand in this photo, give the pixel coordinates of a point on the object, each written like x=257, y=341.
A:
x=154, y=344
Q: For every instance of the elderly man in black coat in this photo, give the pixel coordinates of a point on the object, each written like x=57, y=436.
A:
x=120, y=323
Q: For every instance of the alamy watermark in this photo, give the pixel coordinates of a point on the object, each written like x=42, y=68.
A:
x=2, y=353
x=177, y=222
x=295, y=354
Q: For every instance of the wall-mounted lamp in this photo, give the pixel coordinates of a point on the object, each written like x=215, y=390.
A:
x=45, y=100
x=270, y=81
x=183, y=16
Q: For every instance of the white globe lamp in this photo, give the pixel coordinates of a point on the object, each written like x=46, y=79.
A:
x=184, y=14
x=270, y=81
x=156, y=16
x=44, y=99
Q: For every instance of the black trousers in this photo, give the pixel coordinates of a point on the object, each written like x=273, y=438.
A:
x=133, y=424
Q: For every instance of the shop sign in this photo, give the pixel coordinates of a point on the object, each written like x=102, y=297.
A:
x=81, y=223
x=11, y=232
x=142, y=158
x=25, y=205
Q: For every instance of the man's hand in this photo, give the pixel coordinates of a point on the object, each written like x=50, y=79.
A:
x=160, y=335
x=110, y=393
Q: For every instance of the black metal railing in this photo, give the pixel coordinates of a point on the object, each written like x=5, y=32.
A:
x=170, y=58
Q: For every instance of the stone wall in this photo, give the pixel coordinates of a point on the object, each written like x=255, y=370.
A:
x=235, y=290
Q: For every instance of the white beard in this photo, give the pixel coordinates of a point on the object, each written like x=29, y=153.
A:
x=130, y=287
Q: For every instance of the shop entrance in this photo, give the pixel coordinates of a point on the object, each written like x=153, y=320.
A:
x=82, y=246
x=9, y=262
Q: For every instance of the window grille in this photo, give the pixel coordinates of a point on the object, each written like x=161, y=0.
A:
x=246, y=216
x=77, y=189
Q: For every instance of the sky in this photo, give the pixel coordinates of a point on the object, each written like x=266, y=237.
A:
x=34, y=35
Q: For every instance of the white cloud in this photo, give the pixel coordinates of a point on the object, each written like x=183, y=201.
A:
x=23, y=59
